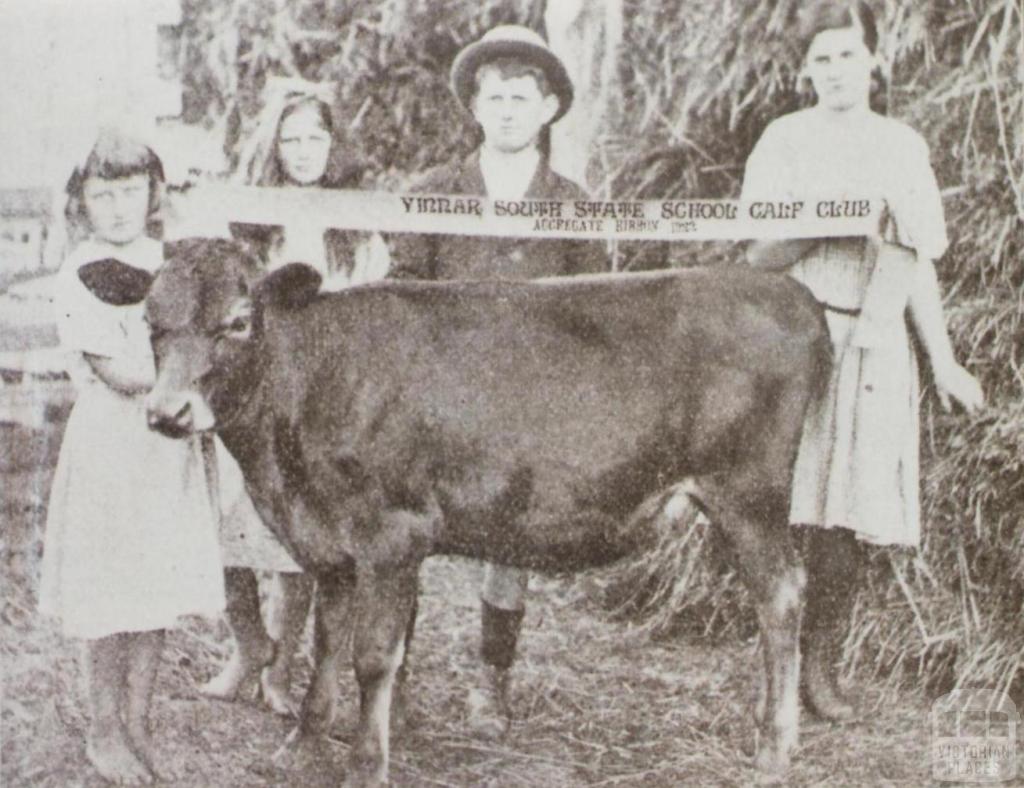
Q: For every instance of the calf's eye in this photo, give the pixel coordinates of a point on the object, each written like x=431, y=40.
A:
x=237, y=328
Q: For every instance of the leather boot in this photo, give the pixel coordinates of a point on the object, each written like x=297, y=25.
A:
x=489, y=711
x=834, y=561
x=819, y=684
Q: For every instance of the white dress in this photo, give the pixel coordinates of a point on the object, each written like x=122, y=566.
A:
x=131, y=531
x=858, y=464
x=245, y=541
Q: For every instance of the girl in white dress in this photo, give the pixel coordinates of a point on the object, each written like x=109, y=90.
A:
x=131, y=534
x=856, y=474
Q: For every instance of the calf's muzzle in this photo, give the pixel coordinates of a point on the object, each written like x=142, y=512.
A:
x=177, y=414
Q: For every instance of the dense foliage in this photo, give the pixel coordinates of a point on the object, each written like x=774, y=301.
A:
x=388, y=58
x=698, y=82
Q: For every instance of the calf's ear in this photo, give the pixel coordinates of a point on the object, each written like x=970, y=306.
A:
x=291, y=286
x=114, y=282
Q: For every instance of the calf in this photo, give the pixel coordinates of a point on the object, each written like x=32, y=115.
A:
x=523, y=423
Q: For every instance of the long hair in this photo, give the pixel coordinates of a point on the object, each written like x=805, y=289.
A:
x=259, y=163
x=115, y=154
x=821, y=15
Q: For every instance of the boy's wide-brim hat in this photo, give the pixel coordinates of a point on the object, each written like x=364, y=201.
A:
x=511, y=41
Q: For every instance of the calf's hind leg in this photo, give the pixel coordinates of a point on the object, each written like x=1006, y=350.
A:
x=770, y=567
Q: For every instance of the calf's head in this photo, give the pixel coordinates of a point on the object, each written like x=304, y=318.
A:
x=206, y=310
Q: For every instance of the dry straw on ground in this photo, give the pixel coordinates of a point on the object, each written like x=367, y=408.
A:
x=699, y=81
x=596, y=702
x=950, y=615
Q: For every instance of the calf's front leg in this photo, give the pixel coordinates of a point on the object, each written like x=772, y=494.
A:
x=330, y=634
x=385, y=599
x=334, y=590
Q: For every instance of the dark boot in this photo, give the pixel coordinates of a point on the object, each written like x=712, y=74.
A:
x=490, y=714
x=819, y=686
x=834, y=561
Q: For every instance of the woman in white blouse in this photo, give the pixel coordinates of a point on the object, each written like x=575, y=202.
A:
x=856, y=474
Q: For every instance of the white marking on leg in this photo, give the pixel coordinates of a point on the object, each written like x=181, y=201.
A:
x=787, y=713
x=380, y=713
x=761, y=708
x=787, y=598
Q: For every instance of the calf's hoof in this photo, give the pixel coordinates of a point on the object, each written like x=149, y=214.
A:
x=366, y=769
x=356, y=780
x=489, y=714
x=302, y=753
x=771, y=766
x=284, y=755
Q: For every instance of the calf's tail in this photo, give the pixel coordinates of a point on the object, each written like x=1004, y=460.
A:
x=821, y=361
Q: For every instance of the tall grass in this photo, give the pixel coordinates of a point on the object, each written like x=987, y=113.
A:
x=699, y=82
x=951, y=613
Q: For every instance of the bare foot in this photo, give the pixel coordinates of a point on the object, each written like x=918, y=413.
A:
x=239, y=676
x=142, y=745
x=114, y=760
x=275, y=685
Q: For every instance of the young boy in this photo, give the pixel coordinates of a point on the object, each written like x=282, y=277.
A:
x=515, y=87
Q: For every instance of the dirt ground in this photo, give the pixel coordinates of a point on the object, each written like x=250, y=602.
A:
x=597, y=703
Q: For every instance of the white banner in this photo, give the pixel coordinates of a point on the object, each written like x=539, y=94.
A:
x=207, y=209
